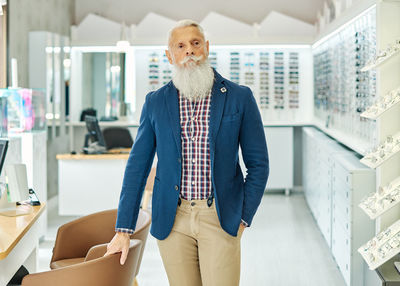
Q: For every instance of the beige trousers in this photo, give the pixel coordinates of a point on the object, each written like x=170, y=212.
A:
x=198, y=251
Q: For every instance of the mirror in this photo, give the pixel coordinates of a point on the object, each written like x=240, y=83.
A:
x=102, y=83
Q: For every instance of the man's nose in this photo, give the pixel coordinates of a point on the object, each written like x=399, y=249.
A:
x=189, y=52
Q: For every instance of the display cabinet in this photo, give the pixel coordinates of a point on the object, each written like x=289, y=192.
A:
x=334, y=181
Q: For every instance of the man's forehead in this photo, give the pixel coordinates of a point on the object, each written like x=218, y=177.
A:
x=182, y=33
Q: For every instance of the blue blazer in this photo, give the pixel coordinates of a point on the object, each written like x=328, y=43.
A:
x=234, y=119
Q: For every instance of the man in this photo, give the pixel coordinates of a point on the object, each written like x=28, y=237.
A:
x=201, y=204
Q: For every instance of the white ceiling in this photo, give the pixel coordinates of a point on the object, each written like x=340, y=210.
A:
x=249, y=11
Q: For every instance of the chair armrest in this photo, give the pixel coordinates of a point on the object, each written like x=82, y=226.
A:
x=96, y=252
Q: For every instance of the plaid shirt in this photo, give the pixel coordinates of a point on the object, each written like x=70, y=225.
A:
x=196, y=162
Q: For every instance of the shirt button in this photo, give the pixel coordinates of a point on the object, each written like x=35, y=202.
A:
x=176, y=187
x=193, y=139
x=194, y=160
x=192, y=182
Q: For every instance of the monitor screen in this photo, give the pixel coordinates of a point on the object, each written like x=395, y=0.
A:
x=93, y=128
x=3, y=152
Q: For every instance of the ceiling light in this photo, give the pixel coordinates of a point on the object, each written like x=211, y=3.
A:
x=123, y=43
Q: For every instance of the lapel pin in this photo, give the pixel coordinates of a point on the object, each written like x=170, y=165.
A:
x=223, y=89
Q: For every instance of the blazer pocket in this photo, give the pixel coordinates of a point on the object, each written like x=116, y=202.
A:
x=230, y=117
x=155, y=198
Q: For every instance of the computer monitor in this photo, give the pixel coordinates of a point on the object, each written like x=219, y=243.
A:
x=95, y=135
x=3, y=152
x=15, y=188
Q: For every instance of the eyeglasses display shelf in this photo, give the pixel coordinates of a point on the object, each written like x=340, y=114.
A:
x=383, y=200
x=383, y=152
x=382, y=246
x=384, y=104
x=382, y=56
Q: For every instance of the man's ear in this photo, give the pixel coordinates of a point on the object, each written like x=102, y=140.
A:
x=167, y=53
x=208, y=47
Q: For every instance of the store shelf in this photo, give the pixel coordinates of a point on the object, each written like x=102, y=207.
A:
x=352, y=142
x=333, y=183
x=287, y=123
x=386, y=198
x=380, y=62
x=374, y=159
x=374, y=115
x=382, y=247
x=106, y=123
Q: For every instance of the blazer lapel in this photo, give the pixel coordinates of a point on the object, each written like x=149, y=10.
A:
x=173, y=109
x=218, y=96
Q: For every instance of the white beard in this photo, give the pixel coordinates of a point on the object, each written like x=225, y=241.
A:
x=194, y=82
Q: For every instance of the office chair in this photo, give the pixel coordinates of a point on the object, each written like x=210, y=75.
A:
x=75, y=238
x=117, y=137
x=94, y=270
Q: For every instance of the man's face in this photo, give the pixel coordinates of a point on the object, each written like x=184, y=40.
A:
x=186, y=41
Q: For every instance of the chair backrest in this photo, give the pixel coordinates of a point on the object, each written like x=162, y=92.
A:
x=117, y=137
x=87, y=231
x=74, y=239
x=141, y=232
x=102, y=271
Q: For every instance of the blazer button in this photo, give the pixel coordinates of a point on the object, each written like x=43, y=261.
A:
x=176, y=187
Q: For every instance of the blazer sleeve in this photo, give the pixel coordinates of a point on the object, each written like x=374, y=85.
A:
x=137, y=170
x=255, y=156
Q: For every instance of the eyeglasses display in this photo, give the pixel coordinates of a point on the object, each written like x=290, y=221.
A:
x=384, y=199
x=377, y=155
x=382, y=56
x=249, y=68
x=154, y=71
x=272, y=73
x=382, y=247
x=293, y=80
x=264, y=80
x=279, y=81
x=382, y=104
x=166, y=71
x=212, y=57
x=341, y=90
x=235, y=67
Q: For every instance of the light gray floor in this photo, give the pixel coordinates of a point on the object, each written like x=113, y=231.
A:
x=283, y=247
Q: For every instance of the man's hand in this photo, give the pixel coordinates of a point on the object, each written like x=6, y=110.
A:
x=241, y=228
x=119, y=243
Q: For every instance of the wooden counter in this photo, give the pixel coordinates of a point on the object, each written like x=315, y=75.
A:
x=89, y=183
x=115, y=154
x=12, y=229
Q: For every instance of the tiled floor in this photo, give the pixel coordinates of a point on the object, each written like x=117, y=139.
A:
x=283, y=247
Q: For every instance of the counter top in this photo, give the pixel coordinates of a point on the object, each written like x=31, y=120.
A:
x=12, y=229
x=107, y=156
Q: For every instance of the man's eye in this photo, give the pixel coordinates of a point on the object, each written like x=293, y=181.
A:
x=180, y=46
x=197, y=43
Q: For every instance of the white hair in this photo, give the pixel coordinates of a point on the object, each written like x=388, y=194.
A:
x=182, y=24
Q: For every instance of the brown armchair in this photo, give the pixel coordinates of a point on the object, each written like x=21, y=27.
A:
x=75, y=238
x=94, y=270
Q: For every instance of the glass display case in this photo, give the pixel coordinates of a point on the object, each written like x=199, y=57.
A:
x=23, y=110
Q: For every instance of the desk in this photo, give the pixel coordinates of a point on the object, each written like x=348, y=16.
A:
x=19, y=243
x=89, y=183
